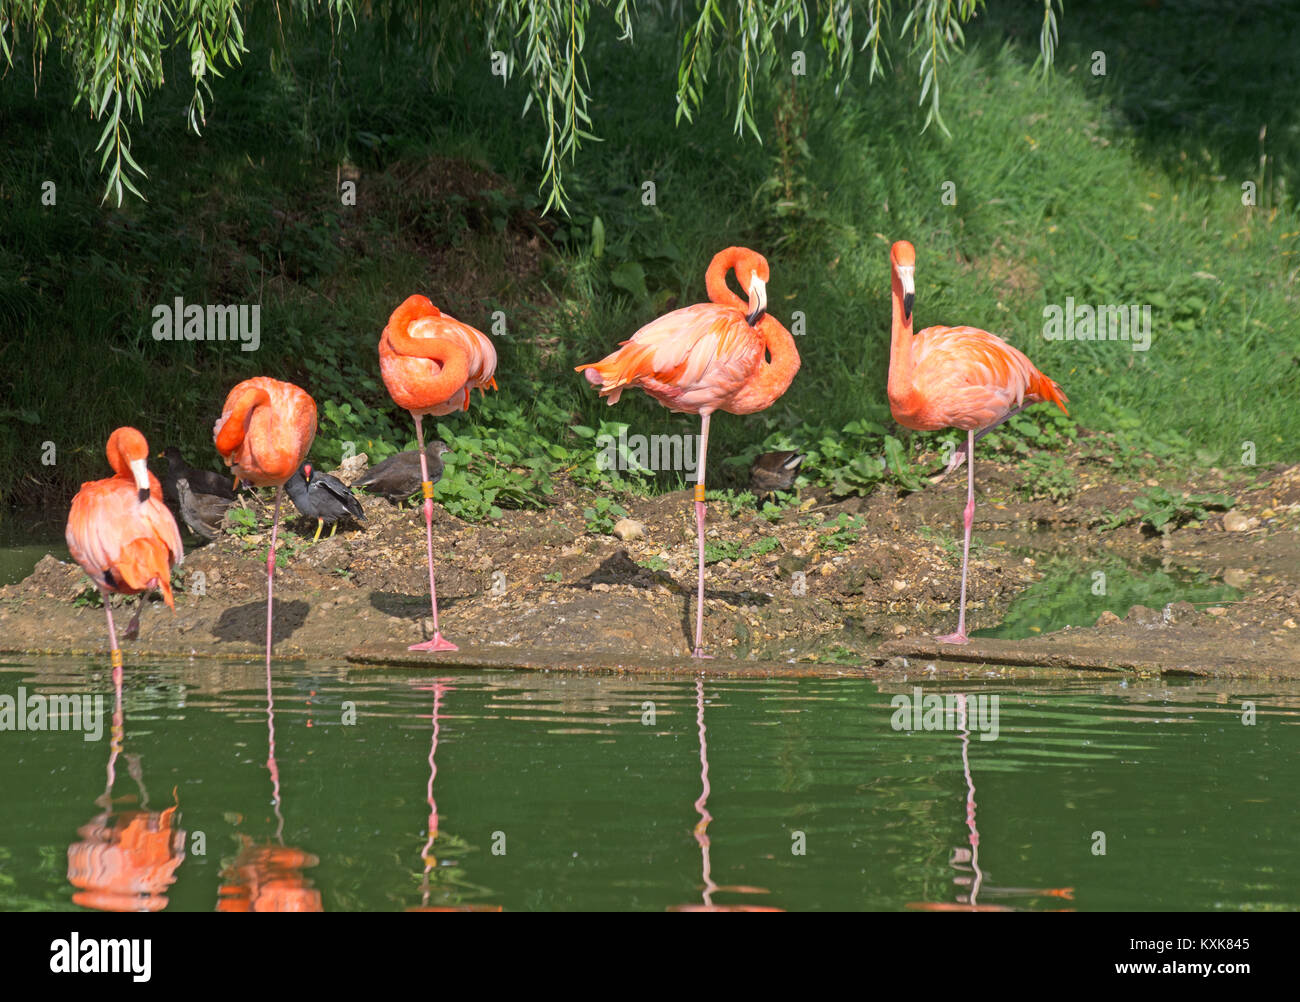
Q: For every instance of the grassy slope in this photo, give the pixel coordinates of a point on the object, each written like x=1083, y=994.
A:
x=1057, y=194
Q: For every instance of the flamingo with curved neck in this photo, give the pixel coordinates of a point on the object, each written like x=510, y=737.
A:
x=728, y=354
x=430, y=362
x=264, y=434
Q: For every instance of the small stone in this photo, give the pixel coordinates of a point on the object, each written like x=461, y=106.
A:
x=899, y=629
x=1217, y=610
x=825, y=570
x=899, y=584
x=629, y=528
x=1235, y=521
x=1235, y=577
x=601, y=586
x=1107, y=618
x=1289, y=624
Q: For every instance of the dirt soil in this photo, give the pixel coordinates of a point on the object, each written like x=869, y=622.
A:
x=539, y=589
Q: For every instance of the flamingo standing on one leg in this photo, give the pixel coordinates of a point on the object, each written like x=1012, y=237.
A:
x=264, y=433
x=120, y=531
x=955, y=377
x=430, y=362
x=722, y=355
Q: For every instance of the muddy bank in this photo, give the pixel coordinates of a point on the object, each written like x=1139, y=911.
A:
x=854, y=585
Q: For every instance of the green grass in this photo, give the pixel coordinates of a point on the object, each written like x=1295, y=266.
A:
x=1062, y=190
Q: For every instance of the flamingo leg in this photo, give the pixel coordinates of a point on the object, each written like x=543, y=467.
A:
x=968, y=517
x=699, y=527
x=115, y=653
x=960, y=455
x=437, y=643
x=270, y=572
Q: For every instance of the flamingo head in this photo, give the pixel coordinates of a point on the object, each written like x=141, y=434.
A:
x=902, y=258
x=752, y=271
x=128, y=452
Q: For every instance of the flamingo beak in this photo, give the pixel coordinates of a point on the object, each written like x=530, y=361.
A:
x=140, y=474
x=905, y=278
x=757, y=300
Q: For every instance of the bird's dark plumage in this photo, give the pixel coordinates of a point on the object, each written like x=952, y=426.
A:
x=399, y=476
x=322, y=497
x=774, y=471
x=200, y=481
x=202, y=512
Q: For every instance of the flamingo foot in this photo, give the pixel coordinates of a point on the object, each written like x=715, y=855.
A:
x=953, y=638
x=699, y=653
x=438, y=643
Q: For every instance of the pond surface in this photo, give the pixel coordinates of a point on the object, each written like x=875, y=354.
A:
x=388, y=790
x=26, y=535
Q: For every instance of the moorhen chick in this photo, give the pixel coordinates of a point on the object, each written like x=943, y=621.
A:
x=202, y=512
x=399, y=476
x=322, y=497
x=774, y=471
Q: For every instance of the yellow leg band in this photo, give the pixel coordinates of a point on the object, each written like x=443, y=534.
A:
x=699, y=492
x=116, y=658
x=427, y=487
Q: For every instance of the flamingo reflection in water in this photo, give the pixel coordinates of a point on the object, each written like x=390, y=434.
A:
x=702, y=833
x=966, y=861
x=125, y=860
x=268, y=877
x=439, y=688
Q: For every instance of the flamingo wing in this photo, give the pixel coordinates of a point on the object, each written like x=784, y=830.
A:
x=690, y=360
x=972, y=379
x=123, y=544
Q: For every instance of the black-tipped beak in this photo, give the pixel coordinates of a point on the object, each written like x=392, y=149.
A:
x=753, y=318
x=908, y=300
x=143, y=494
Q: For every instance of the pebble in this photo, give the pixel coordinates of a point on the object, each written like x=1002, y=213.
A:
x=629, y=528
x=1235, y=521
x=1235, y=577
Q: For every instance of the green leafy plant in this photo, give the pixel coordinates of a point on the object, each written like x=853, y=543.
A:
x=89, y=597
x=1165, y=511
x=721, y=549
x=760, y=547
x=602, y=515
x=845, y=532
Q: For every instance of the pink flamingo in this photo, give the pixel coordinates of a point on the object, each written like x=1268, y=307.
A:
x=955, y=377
x=264, y=434
x=722, y=355
x=430, y=362
x=122, y=534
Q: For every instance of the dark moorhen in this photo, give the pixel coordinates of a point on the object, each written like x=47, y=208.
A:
x=399, y=476
x=201, y=481
x=322, y=497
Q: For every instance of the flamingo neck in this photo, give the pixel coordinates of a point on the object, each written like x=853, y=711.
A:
x=900, y=349
x=773, y=376
x=448, y=352
x=232, y=433
x=715, y=279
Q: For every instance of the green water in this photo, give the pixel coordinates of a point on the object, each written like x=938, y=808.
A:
x=26, y=535
x=557, y=791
